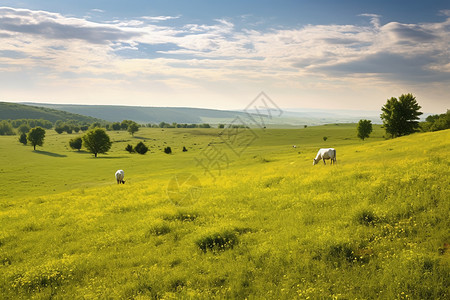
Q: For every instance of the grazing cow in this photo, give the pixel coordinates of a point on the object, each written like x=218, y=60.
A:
x=119, y=176
x=295, y=146
x=325, y=153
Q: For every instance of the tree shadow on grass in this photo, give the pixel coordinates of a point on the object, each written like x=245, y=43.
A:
x=49, y=153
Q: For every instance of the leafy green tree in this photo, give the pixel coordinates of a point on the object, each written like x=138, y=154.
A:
x=132, y=128
x=76, y=143
x=97, y=141
x=24, y=128
x=6, y=128
x=141, y=148
x=23, y=138
x=364, y=129
x=116, y=126
x=400, y=117
x=36, y=137
x=168, y=150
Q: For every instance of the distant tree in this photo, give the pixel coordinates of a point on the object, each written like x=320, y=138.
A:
x=6, y=128
x=364, y=129
x=59, y=129
x=184, y=149
x=97, y=141
x=24, y=128
x=116, y=126
x=84, y=127
x=168, y=150
x=305, y=126
x=221, y=126
x=129, y=148
x=141, y=148
x=36, y=137
x=124, y=124
x=95, y=125
x=132, y=128
x=400, y=117
x=23, y=138
x=76, y=128
x=436, y=122
x=76, y=143
x=325, y=138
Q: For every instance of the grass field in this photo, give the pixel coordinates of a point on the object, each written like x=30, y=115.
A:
x=261, y=222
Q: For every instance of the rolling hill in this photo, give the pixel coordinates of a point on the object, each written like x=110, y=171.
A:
x=14, y=111
x=146, y=114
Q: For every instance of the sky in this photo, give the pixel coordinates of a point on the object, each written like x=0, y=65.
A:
x=222, y=54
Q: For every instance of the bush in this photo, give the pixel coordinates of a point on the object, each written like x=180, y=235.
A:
x=168, y=150
x=184, y=149
x=76, y=143
x=325, y=138
x=141, y=148
x=23, y=138
x=218, y=241
x=129, y=148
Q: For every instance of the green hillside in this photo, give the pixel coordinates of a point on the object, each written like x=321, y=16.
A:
x=261, y=222
x=15, y=111
x=141, y=114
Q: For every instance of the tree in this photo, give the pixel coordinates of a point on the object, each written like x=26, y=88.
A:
x=6, y=128
x=76, y=143
x=325, y=138
x=97, y=141
x=400, y=116
x=184, y=149
x=24, y=128
x=36, y=137
x=116, y=126
x=364, y=129
x=129, y=148
x=141, y=148
x=132, y=128
x=23, y=138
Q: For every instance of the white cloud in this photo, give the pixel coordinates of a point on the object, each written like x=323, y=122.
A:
x=69, y=50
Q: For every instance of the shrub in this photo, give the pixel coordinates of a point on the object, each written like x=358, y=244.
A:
x=159, y=229
x=325, y=138
x=76, y=143
x=141, y=148
x=168, y=150
x=218, y=241
x=129, y=148
x=23, y=138
x=184, y=149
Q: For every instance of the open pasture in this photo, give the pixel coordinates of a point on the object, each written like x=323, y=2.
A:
x=267, y=224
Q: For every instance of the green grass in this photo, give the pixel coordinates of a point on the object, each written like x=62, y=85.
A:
x=270, y=225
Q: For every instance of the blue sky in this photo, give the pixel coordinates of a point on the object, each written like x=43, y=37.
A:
x=221, y=54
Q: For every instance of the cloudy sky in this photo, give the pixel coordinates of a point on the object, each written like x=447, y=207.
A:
x=221, y=54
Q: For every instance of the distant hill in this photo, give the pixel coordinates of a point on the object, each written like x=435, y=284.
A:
x=14, y=111
x=144, y=114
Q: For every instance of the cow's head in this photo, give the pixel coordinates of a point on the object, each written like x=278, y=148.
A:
x=314, y=161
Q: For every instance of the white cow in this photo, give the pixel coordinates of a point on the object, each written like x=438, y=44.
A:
x=120, y=174
x=325, y=153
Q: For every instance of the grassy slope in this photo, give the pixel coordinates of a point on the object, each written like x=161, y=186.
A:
x=15, y=111
x=373, y=226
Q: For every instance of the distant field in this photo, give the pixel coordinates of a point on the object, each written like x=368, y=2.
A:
x=261, y=222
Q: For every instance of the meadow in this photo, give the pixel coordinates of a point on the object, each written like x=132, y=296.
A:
x=261, y=222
